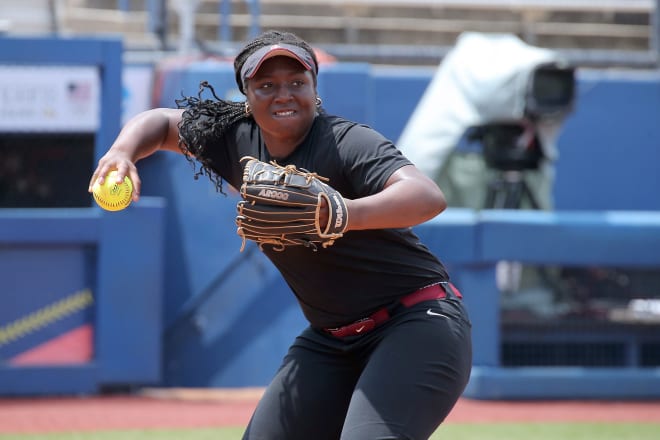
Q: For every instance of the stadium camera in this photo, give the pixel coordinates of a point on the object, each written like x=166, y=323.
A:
x=550, y=91
x=508, y=146
x=514, y=144
x=496, y=96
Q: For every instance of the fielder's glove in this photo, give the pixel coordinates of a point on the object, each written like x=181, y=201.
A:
x=281, y=207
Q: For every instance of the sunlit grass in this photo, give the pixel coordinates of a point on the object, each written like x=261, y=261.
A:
x=453, y=431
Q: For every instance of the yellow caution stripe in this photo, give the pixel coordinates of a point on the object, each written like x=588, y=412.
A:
x=45, y=316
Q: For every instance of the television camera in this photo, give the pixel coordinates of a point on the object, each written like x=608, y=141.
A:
x=513, y=146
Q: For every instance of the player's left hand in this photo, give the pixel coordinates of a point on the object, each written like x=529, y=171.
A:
x=286, y=206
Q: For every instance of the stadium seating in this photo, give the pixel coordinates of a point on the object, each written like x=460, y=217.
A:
x=383, y=31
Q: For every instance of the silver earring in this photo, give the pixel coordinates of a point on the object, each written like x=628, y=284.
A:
x=319, y=101
x=248, y=110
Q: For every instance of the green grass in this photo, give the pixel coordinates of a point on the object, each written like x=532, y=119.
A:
x=548, y=431
x=476, y=431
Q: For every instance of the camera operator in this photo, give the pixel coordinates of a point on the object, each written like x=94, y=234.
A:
x=485, y=131
x=490, y=83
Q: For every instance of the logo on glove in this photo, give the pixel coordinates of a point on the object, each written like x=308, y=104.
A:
x=272, y=194
x=339, y=212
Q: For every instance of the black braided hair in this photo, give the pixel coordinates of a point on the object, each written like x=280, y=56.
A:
x=206, y=120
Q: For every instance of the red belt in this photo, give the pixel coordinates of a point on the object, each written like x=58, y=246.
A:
x=364, y=325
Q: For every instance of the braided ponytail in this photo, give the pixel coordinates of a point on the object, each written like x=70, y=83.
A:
x=202, y=122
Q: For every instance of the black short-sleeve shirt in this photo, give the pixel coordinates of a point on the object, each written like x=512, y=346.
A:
x=363, y=270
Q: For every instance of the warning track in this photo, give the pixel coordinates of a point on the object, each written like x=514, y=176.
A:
x=185, y=408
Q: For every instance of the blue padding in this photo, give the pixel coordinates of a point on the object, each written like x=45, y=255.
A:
x=452, y=235
x=609, y=146
x=130, y=293
x=571, y=238
x=396, y=92
x=119, y=255
x=200, y=228
x=183, y=79
x=22, y=226
x=34, y=278
x=481, y=299
x=354, y=81
x=239, y=336
x=59, y=51
x=563, y=383
x=70, y=379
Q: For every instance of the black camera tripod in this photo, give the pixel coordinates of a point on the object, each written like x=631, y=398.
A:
x=509, y=149
x=508, y=191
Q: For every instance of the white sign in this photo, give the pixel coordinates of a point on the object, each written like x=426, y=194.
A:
x=49, y=98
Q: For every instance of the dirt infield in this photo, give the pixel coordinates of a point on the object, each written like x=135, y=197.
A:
x=177, y=408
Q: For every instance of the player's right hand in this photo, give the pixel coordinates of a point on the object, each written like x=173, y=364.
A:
x=117, y=160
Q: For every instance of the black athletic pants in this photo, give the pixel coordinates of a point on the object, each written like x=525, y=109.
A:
x=398, y=381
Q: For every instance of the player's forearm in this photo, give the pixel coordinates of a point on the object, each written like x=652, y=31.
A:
x=141, y=136
x=147, y=133
x=404, y=203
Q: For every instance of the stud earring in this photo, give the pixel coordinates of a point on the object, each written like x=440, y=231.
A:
x=248, y=110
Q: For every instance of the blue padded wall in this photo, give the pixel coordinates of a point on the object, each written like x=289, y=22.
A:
x=228, y=315
x=610, y=145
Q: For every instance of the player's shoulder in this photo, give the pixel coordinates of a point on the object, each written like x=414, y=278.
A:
x=342, y=127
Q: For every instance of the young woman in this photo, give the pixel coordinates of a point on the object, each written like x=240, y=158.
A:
x=388, y=351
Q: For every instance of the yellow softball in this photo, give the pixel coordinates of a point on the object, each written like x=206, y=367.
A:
x=113, y=196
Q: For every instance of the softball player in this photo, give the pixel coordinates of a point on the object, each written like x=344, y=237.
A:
x=388, y=350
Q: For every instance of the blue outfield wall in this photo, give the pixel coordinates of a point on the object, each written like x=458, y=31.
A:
x=81, y=290
x=574, y=238
x=209, y=315
x=229, y=318
x=64, y=267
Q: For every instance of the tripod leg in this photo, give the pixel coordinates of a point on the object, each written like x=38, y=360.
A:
x=498, y=195
x=525, y=191
x=506, y=191
x=491, y=195
x=514, y=194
